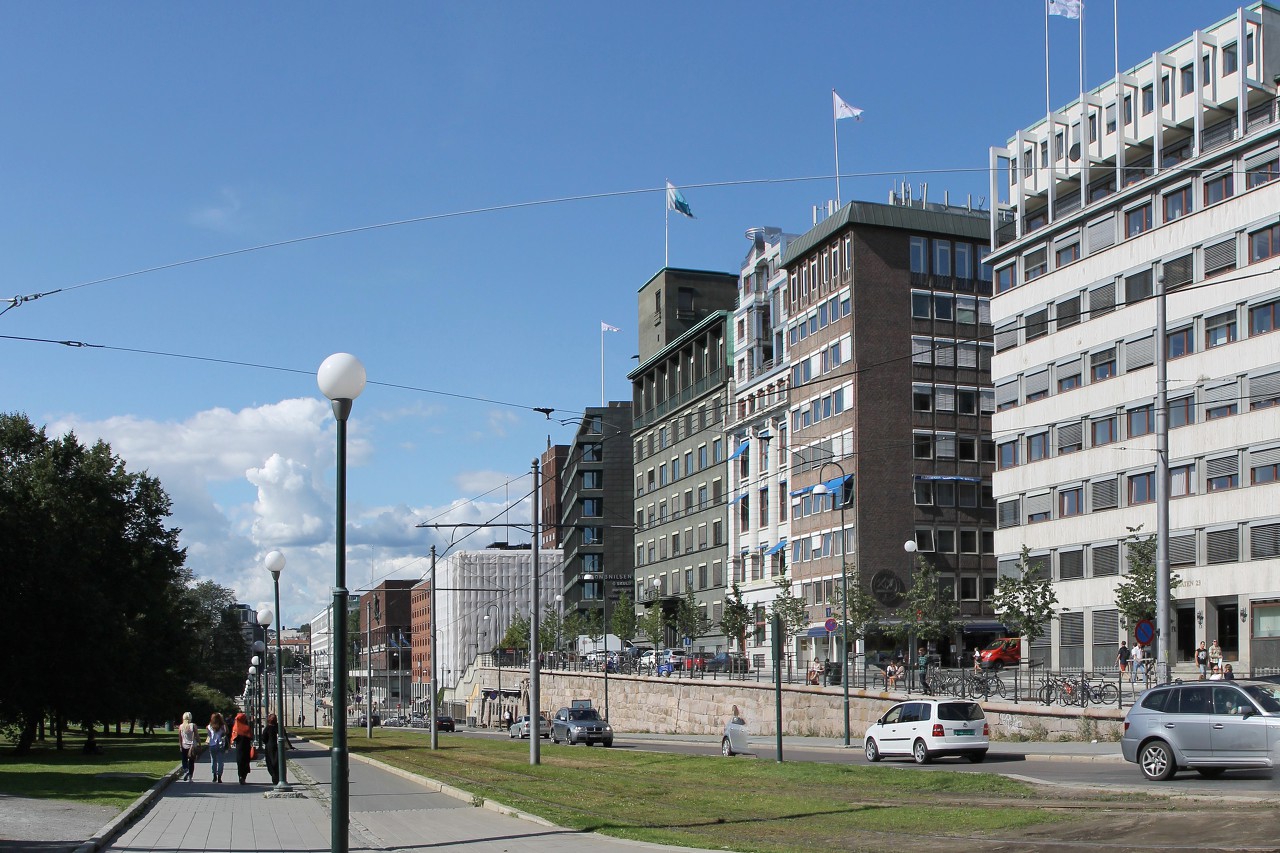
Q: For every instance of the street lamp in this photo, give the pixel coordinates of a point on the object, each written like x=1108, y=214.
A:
x=341, y=378
x=605, y=590
x=265, y=618
x=498, y=643
x=822, y=489
x=275, y=564
x=911, y=548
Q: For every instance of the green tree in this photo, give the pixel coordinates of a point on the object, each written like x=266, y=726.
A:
x=575, y=625
x=623, y=616
x=653, y=624
x=929, y=609
x=550, y=628
x=1136, y=594
x=863, y=611
x=1026, y=603
x=790, y=610
x=690, y=622
x=517, y=636
x=736, y=617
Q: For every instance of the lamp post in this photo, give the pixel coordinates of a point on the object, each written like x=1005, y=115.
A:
x=911, y=548
x=497, y=643
x=265, y=618
x=254, y=663
x=605, y=590
x=341, y=378
x=275, y=564
x=822, y=489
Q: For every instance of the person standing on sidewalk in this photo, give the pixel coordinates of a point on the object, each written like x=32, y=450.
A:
x=1215, y=655
x=271, y=745
x=922, y=666
x=242, y=738
x=217, y=745
x=1122, y=658
x=1202, y=661
x=1135, y=662
x=189, y=743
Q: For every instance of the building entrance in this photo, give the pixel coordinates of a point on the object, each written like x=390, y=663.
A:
x=1229, y=630
x=1184, y=640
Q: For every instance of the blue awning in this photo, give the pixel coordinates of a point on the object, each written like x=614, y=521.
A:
x=798, y=492
x=738, y=498
x=741, y=449
x=776, y=548
x=950, y=478
x=832, y=485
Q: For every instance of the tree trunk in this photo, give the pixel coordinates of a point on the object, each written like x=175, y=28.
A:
x=91, y=739
x=132, y=724
x=26, y=737
x=59, y=724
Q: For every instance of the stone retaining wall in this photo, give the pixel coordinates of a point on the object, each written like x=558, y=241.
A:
x=701, y=706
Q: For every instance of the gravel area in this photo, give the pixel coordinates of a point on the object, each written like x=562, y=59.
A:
x=48, y=825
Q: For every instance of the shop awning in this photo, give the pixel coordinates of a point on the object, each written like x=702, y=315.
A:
x=776, y=548
x=949, y=478
x=741, y=449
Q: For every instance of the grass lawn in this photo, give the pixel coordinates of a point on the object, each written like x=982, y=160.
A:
x=716, y=802
x=47, y=773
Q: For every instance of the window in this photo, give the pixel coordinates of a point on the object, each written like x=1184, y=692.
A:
x=1182, y=481
x=1070, y=501
x=1230, y=60
x=1223, y=482
x=1137, y=287
x=1180, y=343
x=919, y=255
x=1182, y=412
x=1263, y=318
x=945, y=541
x=593, y=507
x=1218, y=188
x=1102, y=431
x=1166, y=91
x=922, y=398
x=943, y=308
x=1037, y=446
x=592, y=453
x=1188, y=79
x=942, y=258
x=1142, y=488
x=1148, y=99
x=920, y=305
x=1067, y=254
x=1137, y=220
x=1142, y=421
x=964, y=260
x=1264, y=244
x=1004, y=279
x=1261, y=173
x=1034, y=265
x=1268, y=473
x=1222, y=410
x=1177, y=203
x=1036, y=324
x=1008, y=454
x=592, y=479
x=1103, y=365
x=923, y=446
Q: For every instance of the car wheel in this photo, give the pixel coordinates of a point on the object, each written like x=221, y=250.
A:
x=555, y=738
x=920, y=753
x=608, y=743
x=1210, y=772
x=725, y=749
x=977, y=757
x=1156, y=760
x=873, y=751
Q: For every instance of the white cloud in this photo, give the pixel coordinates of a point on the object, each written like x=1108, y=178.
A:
x=224, y=215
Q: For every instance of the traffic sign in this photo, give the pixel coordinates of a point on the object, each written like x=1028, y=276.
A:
x=1144, y=632
x=688, y=642
x=830, y=625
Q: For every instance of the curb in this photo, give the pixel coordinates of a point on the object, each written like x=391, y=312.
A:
x=120, y=822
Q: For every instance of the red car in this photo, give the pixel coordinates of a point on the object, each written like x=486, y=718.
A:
x=697, y=661
x=1006, y=651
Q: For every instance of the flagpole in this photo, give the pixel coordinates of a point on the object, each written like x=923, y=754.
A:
x=602, y=364
x=1048, y=104
x=1115, y=38
x=666, y=227
x=1081, y=21
x=836, y=135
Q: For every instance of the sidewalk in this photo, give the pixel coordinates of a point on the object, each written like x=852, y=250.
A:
x=387, y=811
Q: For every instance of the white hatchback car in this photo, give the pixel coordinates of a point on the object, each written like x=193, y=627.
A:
x=927, y=728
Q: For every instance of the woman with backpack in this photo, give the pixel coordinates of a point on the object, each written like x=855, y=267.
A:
x=218, y=738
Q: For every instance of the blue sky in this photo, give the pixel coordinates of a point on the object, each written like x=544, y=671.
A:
x=144, y=134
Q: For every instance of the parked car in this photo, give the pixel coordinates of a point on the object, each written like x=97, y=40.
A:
x=736, y=738
x=1203, y=726
x=362, y=720
x=727, y=662
x=927, y=728
x=520, y=728
x=658, y=660
x=394, y=721
x=695, y=661
x=445, y=724
x=581, y=725
x=1006, y=651
x=417, y=722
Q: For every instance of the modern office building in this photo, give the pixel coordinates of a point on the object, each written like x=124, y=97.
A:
x=385, y=641
x=680, y=394
x=494, y=582
x=322, y=650
x=759, y=411
x=1166, y=173
x=552, y=465
x=886, y=334
x=596, y=505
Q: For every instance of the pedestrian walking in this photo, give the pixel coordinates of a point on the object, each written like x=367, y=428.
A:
x=1202, y=661
x=218, y=738
x=271, y=746
x=1215, y=655
x=977, y=660
x=1136, y=662
x=189, y=743
x=922, y=666
x=242, y=739
x=1122, y=657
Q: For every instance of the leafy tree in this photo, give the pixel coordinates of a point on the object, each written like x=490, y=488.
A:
x=575, y=625
x=1136, y=594
x=736, y=617
x=863, y=611
x=928, y=612
x=653, y=624
x=690, y=620
x=517, y=636
x=623, y=616
x=790, y=610
x=220, y=651
x=1025, y=604
x=550, y=628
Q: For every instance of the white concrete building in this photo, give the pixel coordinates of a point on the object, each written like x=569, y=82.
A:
x=1172, y=171
x=496, y=582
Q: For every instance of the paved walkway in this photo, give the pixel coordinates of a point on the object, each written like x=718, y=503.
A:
x=388, y=812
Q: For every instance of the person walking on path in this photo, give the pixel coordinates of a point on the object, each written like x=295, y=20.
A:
x=218, y=736
x=1122, y=658
x=242, y=738
x=1136, y=663
x=922, y=666
x=189, y=743
x=271, y=745
x=1202, y=661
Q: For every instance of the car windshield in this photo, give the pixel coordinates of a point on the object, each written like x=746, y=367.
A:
x=583, y=714
x=996, y=646
x=1266, y=695
x=959, y=711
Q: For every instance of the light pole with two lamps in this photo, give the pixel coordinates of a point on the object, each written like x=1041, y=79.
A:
x=823, y=489
x=275, y=564
x=496, y=646
x=341, y=378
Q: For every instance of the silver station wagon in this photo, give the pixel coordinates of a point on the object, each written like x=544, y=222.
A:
x=1206, y=726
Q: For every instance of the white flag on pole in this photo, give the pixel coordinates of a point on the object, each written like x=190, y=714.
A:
x=1066, y=8
x=843, y=109
x=605, y=327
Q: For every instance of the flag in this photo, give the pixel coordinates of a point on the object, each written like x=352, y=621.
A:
x=843, y=109
x=676, y=201
x=605, y=327
x=1066, y=8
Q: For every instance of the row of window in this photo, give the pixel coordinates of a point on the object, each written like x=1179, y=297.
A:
x=696, y=461
x=818, y=409
x=1213, y=400
x=680, y=542
x=691, y=423
x=819, y=270
x=947, y=352
x=822, y=362
x=952, y=398
x=949, y=445
x=828, y=312
x=694, y=578
x=822, y=546
x=930, y=305
x=1217, y=184
x=947, y=540
x=945, y=258
x=1208, y=474
x=660, y=513
x=952, y=493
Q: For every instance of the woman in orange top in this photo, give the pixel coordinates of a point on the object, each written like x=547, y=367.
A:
x=242, y=738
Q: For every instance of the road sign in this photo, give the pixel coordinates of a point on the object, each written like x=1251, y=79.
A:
x=1144, y=632
x=830, y=625
x=688, y=642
